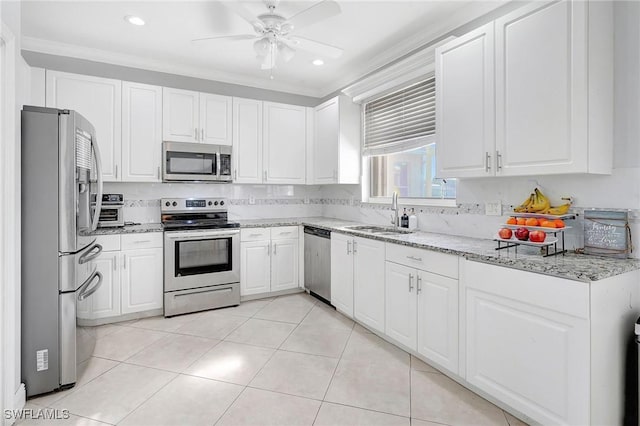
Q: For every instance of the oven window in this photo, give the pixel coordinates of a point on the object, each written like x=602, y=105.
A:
x=186, y=163
x=203, y=256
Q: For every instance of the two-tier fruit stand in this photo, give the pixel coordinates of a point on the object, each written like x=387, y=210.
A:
x=556, y=241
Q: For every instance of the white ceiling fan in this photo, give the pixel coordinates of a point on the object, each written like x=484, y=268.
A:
x=273, y=32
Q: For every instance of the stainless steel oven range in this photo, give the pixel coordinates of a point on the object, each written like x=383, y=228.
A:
x=201, y=255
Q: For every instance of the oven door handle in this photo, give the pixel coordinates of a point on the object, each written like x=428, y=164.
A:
x=194, y=236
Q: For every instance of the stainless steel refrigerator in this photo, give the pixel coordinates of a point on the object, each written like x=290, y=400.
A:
x=60, y=170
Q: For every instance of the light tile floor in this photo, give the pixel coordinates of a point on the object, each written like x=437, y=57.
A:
x=283, y=361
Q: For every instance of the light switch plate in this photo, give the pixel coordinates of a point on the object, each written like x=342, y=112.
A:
x=493, y=208
x=252, y=199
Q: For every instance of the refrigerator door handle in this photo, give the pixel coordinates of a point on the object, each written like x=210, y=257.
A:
x=85, y=291
x=91, y=254
x=96, y=212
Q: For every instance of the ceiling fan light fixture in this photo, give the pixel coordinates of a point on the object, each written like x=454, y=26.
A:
x=134, y=20
x=318, y=62
x=285, y=52
x=262, y=47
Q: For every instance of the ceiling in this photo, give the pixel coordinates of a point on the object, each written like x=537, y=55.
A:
x=372, y=33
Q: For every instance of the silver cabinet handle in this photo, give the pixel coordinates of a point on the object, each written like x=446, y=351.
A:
x=195, y=130
x=141, y=241
x=355, y=247
x=255, y=235
x=487, y=161
x=158, y=172
x=265, y=175
x=235, y=174
x=410, y=282
x=124, y=261
x=348, y=247
x=202, y=135
x=419, y=289
x=275, y=250
x=417, y=259
x=91, y=254
x=498, y=161
x=116, y=171
x=269, y=250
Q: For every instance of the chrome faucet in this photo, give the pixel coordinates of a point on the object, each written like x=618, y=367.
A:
x=395, y=219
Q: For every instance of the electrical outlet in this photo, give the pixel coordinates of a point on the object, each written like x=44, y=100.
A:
x=493, y=208
x=306, y=200
x=252, y=199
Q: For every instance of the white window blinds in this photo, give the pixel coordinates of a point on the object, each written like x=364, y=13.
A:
x=401, y=120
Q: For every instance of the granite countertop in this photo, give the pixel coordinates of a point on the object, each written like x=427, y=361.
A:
x=577, y=267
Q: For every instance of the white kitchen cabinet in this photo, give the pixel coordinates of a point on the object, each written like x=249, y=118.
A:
x=247, y=141
x=105, y=302
x=215, y=119
x=141, y=132
x=284, y=264
x=189, y=116
x=269, y=260
x=400, y=304
x=142, y=275
x=284, y=143
x=553, y=94
x=255, y=267
x=525, y=347
x=465, y=117
x=336, y=142
x=369, y=282
x=99, y=101
x=180, y=115
x=342, y=273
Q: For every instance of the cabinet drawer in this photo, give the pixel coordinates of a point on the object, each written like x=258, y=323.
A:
x=142, y=240
x=427, y=260
x=255, y=234
x=281, y=232
x=109, y=242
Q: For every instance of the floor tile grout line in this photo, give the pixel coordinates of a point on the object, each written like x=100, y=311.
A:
x=200, y=357
x=339, y=359
x=151, y=396
x=244, y=388
x=368, y=409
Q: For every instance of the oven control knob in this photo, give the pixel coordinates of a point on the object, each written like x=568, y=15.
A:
x=222, y=203
x=210, y=203
x=216, y=203
x=167, y=204
x=175, y=204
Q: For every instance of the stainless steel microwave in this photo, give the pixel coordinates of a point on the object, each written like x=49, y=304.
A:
x=195, y=162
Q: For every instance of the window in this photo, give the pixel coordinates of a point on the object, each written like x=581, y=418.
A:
x=399, y=145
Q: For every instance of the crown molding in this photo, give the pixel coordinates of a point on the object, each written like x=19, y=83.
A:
x=98, y=55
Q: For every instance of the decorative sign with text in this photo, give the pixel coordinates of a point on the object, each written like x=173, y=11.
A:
x=606, y=233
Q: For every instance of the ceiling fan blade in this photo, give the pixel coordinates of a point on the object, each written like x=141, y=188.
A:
x=316, y=47
x=316, y=13
x=237, y=7
x=230, y=38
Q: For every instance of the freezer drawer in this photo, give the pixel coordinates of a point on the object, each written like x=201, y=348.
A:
x=200, y=299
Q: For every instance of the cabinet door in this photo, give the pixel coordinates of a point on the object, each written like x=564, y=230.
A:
x=141, y=132
x=99, y=101
x=180, y=115
x=438, y=319
x=142, y=286
x=465, y=105
x=106, y=301
x=342, y=273
x=284, y=143
x=528, y=341
x=400, y=304
x=326, y=142
x=247, y=141
x=368, y=282
x=255, y=267
x=284, y=264
x=541, y=89
x=215, y=119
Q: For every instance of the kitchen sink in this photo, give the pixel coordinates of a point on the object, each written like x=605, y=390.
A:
x=378, y=230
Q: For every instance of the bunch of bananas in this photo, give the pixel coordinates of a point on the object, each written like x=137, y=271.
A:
x=539, y=203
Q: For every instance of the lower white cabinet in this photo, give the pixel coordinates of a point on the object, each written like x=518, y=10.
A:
x=342, y=273
x=141, y=273
x=421, y=311
x=269, y=260
x=132, y=277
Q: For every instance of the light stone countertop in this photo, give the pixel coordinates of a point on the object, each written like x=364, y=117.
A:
x=577, y=267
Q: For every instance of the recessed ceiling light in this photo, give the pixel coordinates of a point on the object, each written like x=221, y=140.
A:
x=318, y=62
x=135, y=20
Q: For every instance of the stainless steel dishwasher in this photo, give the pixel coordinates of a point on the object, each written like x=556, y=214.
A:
x=317, y=262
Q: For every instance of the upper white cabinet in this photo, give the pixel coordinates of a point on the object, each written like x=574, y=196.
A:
x=284, y=143
x=141, y=132
x=336, y=142
x=553, y=94
x=247, y=141
x=99, y=101
x=196, y=117
x=465, y=105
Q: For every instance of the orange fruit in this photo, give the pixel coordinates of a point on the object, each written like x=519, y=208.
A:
x=548, y=224
x=521, y=221
x=559, y=223
x=532, y=221
x=512, y=221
